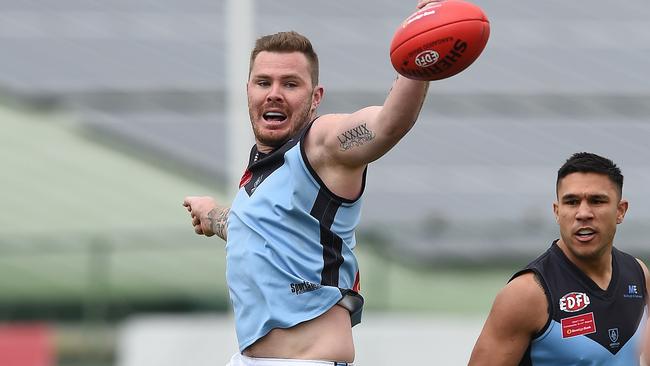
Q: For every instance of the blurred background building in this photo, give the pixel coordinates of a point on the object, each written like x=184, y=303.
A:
x=111, y=112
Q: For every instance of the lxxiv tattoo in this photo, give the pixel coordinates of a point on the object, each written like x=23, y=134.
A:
x=355, y=137
x=218, y=218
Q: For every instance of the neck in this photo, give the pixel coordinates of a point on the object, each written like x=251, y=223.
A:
x=264, y=149
x=598, y=267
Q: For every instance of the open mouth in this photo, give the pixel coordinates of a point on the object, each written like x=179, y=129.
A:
x=585, y=234
x=274, y=116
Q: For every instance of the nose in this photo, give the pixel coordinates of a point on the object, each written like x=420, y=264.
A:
x=584, y=211
x=275, y=93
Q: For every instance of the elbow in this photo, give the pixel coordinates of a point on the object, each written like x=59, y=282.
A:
x=396, y=122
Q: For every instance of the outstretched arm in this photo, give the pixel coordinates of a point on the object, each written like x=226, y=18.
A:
x=208, y=218
x=519, y=311
x=356, y=139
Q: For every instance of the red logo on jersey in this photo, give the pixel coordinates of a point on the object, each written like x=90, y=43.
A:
x=245, y=178
x=578, y=325
x=574, y=301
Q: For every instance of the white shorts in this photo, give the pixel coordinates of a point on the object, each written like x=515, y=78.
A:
x=241, y=360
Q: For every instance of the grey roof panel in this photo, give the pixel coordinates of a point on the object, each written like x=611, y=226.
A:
x=535, y=46
x=555, y=78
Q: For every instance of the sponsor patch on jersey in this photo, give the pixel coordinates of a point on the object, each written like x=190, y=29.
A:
x=633, y=292
x=304, y=286
x=613, y=336
x=574, y=301
x=578, y=325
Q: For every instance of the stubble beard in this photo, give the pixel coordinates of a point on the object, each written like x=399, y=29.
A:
x=278, y=140
x=593, y=254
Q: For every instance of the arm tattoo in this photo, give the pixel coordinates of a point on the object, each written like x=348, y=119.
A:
x=219, y=221
x=355, y=137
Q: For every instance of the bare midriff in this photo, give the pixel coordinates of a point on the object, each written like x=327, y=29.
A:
x=327, y=337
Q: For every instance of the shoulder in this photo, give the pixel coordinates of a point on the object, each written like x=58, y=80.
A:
x=320, y=127
x=318, y=135
x=646, y=273
x=628, y=261
x=331, y=124
x=327, y=137
x=527, y=285
x=643, y=266
x=518, y=314
x=523, y=302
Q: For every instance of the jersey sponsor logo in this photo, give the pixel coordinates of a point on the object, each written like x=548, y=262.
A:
x=257, y=183
x=574, y=301
x=613, y=335
x=633, y=292
x=578, y=325
x=304, y=286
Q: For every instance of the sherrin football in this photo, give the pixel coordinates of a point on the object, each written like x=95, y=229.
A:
x=440, y=40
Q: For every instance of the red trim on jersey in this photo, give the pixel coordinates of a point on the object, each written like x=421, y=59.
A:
x=246, y=178
x=357, y=284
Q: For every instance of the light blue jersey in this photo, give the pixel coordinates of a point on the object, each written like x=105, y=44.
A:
x=290, y=245
x=551, y=348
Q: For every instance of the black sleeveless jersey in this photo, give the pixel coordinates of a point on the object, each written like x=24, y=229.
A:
x=588, y=325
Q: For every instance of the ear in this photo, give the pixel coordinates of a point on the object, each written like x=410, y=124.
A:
x=556, y=208
x=317, y=97
x=621, y=210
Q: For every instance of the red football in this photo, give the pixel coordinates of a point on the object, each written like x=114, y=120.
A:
x=440, y=40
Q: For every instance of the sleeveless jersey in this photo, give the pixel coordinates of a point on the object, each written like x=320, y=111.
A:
x=587, y=325
x=289, y=253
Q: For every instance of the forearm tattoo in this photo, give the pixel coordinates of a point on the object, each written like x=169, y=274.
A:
x=218, y=218
x=355, y=137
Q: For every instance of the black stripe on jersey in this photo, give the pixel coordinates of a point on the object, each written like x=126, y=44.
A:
x=324, y=210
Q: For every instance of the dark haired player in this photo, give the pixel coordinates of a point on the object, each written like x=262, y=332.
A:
x=582, y=302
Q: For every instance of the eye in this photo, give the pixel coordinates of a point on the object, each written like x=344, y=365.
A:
x=263, y=83
x=571, y=202
x=291, y=84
